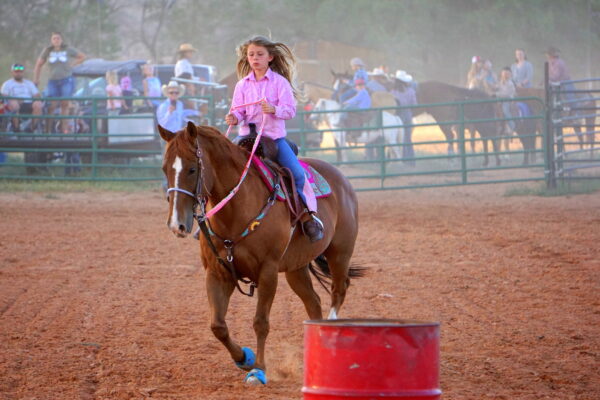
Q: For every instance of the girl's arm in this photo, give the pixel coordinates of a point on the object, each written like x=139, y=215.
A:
x=286, y=107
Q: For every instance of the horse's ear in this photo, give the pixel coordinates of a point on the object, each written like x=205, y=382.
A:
x=166, y=134
x=191, y=130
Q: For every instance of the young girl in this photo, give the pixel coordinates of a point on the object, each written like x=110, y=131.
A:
x=266, y=70
x=113, y=90
x=151, y=85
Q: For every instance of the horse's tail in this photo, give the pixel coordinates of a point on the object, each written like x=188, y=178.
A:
x=319, y=267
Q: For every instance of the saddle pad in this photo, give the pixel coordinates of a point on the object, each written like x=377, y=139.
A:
x=318, y=183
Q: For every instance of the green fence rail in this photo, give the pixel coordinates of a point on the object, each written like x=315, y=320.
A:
x=127, y=147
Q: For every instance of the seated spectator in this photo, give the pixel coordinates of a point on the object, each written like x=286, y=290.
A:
x=151, y=85
x=506, y=89
x=169, y=113
x=522, y=70
x=489, y=78
x=358, y=66
x=127, y=90
x=361, y=100
x=20, y=87
x=113, y=89
x=185, y=70
x=476, y=74
x=378, y=82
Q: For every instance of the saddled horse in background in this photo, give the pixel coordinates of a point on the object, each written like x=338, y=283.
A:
x=525, y=128
x=437, y=92
x=392, y=136
x=201, y=167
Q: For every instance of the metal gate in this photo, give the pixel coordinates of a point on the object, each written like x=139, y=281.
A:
x=573, y=145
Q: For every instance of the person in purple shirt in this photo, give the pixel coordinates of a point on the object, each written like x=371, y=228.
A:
x=558, y=73
x=265, y=69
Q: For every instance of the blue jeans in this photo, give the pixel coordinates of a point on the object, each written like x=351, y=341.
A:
x=60, y=87
x=408, y=150
x=288, y=159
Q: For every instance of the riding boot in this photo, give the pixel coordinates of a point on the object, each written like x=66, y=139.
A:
x=313, y=228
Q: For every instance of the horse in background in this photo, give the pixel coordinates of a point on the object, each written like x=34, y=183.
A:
x=437, y=92
x=392, y=136
x=201, y=166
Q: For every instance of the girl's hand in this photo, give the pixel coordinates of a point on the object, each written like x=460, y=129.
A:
x=231, y=119
x=267, y=108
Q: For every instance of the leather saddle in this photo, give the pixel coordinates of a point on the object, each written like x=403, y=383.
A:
x=267, y=150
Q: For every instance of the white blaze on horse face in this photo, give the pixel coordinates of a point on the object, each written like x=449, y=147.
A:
x=178, y=167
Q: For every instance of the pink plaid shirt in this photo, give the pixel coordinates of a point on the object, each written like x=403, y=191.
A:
x=277, y=91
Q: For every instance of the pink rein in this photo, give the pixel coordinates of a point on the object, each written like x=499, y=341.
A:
x=233, y=191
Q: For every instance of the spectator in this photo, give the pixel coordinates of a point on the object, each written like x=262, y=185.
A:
x=506, y=90
x=127, y=90
x=557, y=72
x=20, y=87
x=185, y=70
x=361, y=100
x=113, y=89
x=169, y=113
x=489, y=78
x=522, y=70
x=379, y=81
x=151, y=85
x=61, y=59
x=476, y=74
x=358, y=66
x=405, y=95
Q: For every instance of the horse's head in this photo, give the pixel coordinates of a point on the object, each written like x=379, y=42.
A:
x=340, y=79
x=332, y=119
x=188, y=177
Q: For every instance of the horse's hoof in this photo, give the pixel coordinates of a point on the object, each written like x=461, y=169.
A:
x=249, y=359
x=256, y=377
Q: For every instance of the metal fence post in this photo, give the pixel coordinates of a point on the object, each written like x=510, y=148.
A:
x=461, y=143
x=95, y=138
x=548, y=136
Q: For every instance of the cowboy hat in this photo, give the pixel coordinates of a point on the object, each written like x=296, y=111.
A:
x=186, y=47
x=552, y=51
x=171, y=85
x=403, y=76
x=357, y=61
x=378, y=72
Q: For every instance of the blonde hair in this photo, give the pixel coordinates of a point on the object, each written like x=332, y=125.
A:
x=112, y=78
x=284, y=61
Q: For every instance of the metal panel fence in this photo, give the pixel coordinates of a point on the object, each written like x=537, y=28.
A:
x=375, y=153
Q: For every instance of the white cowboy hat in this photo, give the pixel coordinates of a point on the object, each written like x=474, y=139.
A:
x=186, y=47
x=377, y=72
x=403, y=76
x=357, y=61
x=173, y=84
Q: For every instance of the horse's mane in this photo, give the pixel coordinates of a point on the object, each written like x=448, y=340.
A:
x=215, y=144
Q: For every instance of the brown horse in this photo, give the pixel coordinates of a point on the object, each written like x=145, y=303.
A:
x=431, y=92
x=201, y=167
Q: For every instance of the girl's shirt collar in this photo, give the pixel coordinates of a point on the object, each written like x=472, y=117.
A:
x=268, y=75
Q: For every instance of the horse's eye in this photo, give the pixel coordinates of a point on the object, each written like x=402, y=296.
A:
x=192, y=171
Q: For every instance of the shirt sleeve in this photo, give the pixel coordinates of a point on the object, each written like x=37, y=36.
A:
x=238, y=99
x=44, y=53
x=286, y=108
x=4, y=89
x=161, y=114
x=34, y=90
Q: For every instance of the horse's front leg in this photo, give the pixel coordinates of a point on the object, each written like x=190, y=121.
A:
x=267, y=285
x=219, y=291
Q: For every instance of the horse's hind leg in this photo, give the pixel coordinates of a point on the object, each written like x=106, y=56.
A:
x=219, y=292
x=301, y=283
x=339, y=264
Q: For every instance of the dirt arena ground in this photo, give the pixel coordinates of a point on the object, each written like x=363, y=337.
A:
x=98, y=300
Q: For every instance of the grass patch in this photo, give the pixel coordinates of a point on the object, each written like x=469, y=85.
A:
x=12, y=186
x=562, y=189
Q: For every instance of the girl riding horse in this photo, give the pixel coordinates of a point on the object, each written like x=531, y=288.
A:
x=266, y=72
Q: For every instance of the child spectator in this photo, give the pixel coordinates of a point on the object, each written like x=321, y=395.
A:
x=113, y=106
x=522, y=70
x=151, y=85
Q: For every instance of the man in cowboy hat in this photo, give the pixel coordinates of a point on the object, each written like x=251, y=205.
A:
x=184, y=66
x=405, y=95
x=169, y=113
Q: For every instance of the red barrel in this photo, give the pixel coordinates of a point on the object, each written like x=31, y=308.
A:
x=365, y=359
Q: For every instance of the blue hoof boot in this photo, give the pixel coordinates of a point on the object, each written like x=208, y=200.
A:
x=256, y=377
x=249, y=359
